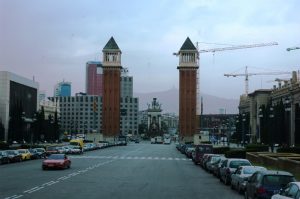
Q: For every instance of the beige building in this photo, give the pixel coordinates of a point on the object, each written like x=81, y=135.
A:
x=251, y=115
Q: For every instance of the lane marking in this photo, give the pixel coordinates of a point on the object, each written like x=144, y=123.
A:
x=36, y=190
x=14, y=197
x=30, y=189
x=47, y=183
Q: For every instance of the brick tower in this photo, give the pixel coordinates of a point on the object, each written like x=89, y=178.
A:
x=111, y=90
x=188, y=66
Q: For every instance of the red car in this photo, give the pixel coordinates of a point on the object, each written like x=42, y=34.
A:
x=60, y=161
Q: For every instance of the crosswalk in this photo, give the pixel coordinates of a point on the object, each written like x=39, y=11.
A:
x=128, y=158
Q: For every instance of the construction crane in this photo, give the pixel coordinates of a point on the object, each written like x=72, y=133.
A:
x=293, y=48
x=246, y=74
x=213, y=50
x=238, y=47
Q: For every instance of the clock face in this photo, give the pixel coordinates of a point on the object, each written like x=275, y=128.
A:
x=29, y=96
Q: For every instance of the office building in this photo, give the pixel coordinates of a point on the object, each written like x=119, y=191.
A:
x=62, y=89
x=18, y=103
x=94, y=78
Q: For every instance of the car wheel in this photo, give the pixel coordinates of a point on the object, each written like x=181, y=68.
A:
x=239, y=189
x=220, y=179
x=226, y=181
x=232, y=187
x=43, y=167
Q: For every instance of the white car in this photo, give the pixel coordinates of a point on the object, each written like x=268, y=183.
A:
x=291, y=191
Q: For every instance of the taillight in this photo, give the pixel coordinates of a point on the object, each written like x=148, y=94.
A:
x=261, y=190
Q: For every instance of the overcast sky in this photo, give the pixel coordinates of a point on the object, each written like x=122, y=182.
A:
x=53, y=39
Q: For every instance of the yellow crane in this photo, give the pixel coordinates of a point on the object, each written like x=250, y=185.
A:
x=246, y=75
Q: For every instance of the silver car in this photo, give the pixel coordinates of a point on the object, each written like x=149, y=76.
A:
x=291, y=191
x=241, y=175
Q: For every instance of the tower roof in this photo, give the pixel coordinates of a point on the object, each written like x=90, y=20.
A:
x=111, y=45
x=188, y=45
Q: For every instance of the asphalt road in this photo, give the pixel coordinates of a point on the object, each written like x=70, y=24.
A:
x=134, y=171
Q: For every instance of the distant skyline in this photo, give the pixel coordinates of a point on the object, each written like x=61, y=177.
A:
x=53, y=40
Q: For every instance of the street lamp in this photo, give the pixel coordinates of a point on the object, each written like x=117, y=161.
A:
x=243, y=126
x=271, y=116
x=260, y=115
x=287, y=108
x=33, y=129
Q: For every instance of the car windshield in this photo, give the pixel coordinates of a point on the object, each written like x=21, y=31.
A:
x=12, y=152
x=40, y=150
x=236, y=163
x=249, y=170
x=276, y=180
x=215, y=159
x=22, y=151
x=56, y=157
x=52, y=148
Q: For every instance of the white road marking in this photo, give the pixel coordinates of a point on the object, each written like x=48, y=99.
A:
x=48, y=183
x=30, y=189
x=170, y=158
x=14, y=197
x=39, y=188
x=163, y=158
x=177, y=159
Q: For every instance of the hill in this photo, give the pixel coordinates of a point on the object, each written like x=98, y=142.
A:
x=170, y=102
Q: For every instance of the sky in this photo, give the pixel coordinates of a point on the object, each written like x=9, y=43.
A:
x=53, y=39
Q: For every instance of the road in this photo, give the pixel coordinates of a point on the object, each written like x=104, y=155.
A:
x=135, y=171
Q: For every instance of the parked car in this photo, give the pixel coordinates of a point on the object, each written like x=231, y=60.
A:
x=189, y=151
x=212, y=161
x=200, y=150
x=264, y=184
x=56, y=161
x=76, y=150
x=217, y=166
x=229, y=166
x=4, y=159
x=291, y=191
x=14, y=156
x=26, y=155
x=51, y=150
x=41, y=152
x=240, y=176
x=204, y=159
x=34, y=154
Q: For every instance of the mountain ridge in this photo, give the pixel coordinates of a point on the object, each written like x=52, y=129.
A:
x=170, y=102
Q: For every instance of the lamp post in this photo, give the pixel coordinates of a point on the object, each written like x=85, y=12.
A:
x=237, y=122
x=260, y=115
x=287, y=109
x=243, y=127
x=23, y=126
x=33, y=129
x=271, y=116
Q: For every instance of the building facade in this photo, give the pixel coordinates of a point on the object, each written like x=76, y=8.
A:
x=129, y=105
x=18, y=104
x=188, y=66
x=111, y=86
x=94, y=78
x=81, y=114
x=62, y=89
x=272, y=116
